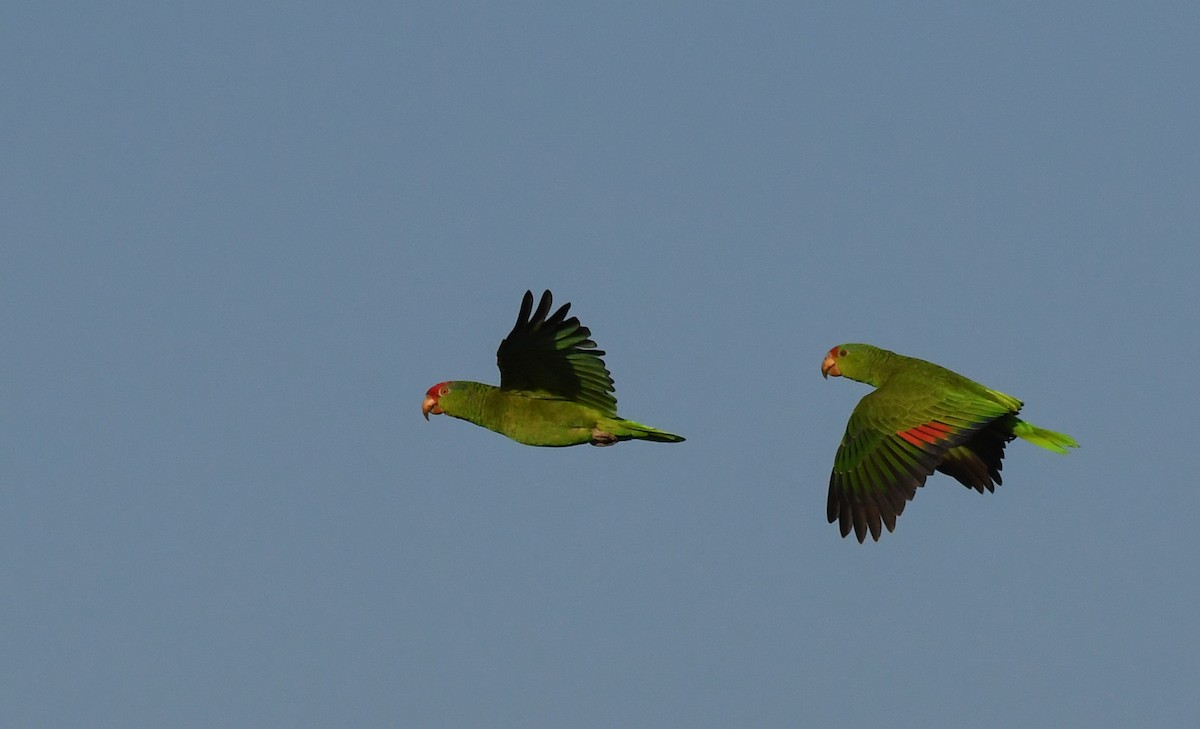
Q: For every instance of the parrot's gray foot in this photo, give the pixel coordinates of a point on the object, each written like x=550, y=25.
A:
x=600, y=438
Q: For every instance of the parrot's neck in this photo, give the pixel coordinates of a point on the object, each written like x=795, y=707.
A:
x=468, y=402
x=878, y=367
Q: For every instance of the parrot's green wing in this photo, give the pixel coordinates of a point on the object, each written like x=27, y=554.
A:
x=555, y=357
x=896, y=437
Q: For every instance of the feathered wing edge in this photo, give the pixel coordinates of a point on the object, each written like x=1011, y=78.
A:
x=856, y=505
x=556, y=355
x=876, y=473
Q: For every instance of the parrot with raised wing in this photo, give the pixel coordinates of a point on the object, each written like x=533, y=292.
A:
x=554, y=388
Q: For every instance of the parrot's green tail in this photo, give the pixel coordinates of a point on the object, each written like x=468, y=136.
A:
x=631, y=429
x=1048, y=439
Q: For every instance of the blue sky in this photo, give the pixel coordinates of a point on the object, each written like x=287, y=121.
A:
x=241, y=240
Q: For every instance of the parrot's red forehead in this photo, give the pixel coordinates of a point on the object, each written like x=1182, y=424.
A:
x=433, y=391
x=834, y=352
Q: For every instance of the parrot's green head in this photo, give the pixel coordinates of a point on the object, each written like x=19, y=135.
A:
x=849, y=360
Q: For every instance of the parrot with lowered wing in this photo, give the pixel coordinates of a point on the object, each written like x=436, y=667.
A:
x=921, y=417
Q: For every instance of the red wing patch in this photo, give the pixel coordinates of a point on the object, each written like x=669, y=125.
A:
x=932, y=432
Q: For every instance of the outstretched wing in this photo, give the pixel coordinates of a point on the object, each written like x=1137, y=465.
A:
x=896, y=437
x=555, y=356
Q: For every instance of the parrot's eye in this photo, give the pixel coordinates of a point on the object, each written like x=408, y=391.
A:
x=443, y=391
x=842, y=353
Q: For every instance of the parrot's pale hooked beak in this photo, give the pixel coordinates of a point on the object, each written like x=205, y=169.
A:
x=430, y=405
x=830, y=367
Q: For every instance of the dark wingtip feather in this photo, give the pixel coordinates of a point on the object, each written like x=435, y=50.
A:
x=559, y=316
x=871, y=516
x=526, y=308
x=543, y=308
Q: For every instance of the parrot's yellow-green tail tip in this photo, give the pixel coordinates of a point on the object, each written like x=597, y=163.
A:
x=1048, y=439
x=645, y=432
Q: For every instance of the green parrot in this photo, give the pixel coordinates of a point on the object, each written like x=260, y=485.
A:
x=554, y=388
x=920, y=418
